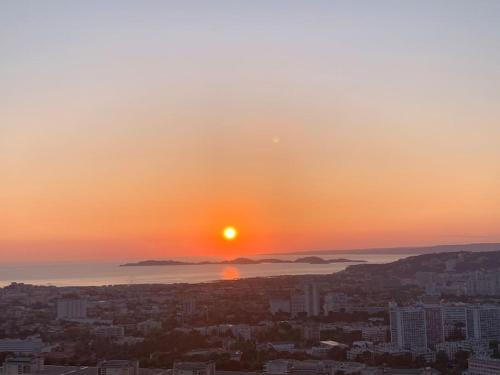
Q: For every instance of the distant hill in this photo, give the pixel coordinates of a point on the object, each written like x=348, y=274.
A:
x=462, y=261
x=308, y=260
x=472, y=247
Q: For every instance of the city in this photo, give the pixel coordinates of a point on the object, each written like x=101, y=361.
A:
x=249, y=187
x=349, y=322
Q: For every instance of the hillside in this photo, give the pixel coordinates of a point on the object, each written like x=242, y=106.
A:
x=472, y=247
x=462, y=261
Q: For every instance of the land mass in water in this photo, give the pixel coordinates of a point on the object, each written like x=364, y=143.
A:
x=308, y=260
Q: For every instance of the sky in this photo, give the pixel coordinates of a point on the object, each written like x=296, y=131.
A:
x=140, y=129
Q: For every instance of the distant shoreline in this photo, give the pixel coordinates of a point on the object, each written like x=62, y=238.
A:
x=404, y=250
x=241, y=261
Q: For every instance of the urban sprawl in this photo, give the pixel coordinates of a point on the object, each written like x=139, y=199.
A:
x=429, y=314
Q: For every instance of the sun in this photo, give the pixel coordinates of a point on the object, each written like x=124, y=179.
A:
x=229, y=233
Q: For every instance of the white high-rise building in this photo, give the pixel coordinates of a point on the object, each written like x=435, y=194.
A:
x=311, y=296
x=483, y=323
x=72, y=309
x=420, y=326
x=297, y=303
x=408, y=327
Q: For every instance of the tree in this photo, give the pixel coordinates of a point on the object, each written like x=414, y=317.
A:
x=442, y=361
x=494, y=346
x=461, y=359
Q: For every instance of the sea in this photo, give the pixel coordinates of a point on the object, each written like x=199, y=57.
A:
x=110, y=272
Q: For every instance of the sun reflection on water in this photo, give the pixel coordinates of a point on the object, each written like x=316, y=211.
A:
x=230, y=273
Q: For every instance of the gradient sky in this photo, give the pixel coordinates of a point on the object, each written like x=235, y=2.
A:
x=139, y=129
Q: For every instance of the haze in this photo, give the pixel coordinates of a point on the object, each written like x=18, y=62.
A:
x=142, y=129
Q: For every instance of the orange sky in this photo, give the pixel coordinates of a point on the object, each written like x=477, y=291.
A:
x=142, y=135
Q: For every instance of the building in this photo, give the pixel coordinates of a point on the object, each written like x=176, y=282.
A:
x=242, y=331
x=278, y=305
x=451, y=348
x=408, y=327
x=278, y=366
x=72, y=309
x=239, y=331
x=149, y=326
x=311, y=367
x=399, y=371
x=311, y=299
x=22, y=365
x=374, y=334
x=455, y=321
x=118, y=367
x=193, y=368
x=188, y=307
x=335, y=302
x=282, y=346
x=18, y=346
x=336, y=367
x=109, y=331
x=483, y=283
x=325, y=348
x=483, y=323
x=359, y=348
x=311, y=332
x=484, y=366
x=388, y=349
x=428, y=356
x=297, y=303
x=434, y=325
x=478, y=324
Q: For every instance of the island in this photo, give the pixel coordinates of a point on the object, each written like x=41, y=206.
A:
x=306, y=260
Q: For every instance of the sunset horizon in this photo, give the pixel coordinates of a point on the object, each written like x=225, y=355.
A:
x=249, y=187
x=122, y=252
x=143, y=130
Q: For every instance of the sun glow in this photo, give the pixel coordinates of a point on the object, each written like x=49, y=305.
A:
x=229, y=233
x=230, y=273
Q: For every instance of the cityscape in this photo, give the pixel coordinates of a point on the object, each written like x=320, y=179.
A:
x=426, y=314
x=249, y=187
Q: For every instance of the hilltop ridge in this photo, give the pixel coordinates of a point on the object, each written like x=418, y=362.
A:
x=470, y=247
x=458, y=261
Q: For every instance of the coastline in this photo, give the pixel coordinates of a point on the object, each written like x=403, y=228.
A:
x=109, y=273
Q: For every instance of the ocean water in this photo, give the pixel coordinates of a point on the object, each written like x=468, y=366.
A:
x=109, y=273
